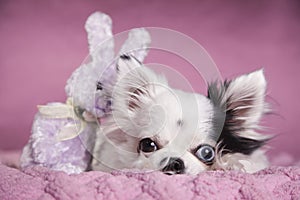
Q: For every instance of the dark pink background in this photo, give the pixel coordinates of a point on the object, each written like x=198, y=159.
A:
x=42, y=42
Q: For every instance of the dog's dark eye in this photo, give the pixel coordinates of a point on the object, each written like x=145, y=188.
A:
x=205, y=153
x=147, y=145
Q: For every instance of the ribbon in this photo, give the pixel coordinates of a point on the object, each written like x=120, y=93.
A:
x=66, y=111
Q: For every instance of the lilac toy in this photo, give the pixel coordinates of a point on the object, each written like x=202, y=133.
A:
x=63, y=134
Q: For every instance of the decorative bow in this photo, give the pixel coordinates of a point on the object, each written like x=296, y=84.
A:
x=67, y=111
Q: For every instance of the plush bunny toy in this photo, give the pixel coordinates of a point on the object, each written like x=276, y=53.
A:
x=63, y=133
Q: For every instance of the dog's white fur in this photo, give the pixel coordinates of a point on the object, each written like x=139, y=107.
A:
x=144, y=106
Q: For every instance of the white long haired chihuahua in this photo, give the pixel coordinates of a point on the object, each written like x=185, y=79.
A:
x=155, y=127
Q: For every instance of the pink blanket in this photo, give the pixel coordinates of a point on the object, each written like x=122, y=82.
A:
x=41, y=183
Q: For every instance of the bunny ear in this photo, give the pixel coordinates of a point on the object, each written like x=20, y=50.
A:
x=137, y=44
x=99, y=29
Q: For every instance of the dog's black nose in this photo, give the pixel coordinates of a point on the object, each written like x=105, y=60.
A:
x=174, y=166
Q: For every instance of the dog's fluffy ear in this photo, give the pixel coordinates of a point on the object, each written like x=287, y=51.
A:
x=134, y=93
x=243, y=102
x=131, y=87
x=127, y=63
x=135, y=84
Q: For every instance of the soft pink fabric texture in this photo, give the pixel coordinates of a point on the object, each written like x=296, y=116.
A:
x=41, y=183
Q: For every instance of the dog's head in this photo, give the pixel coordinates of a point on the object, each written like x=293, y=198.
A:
x=157, y=127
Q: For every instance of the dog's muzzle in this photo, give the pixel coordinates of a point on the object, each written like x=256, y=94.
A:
x=174, y=166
